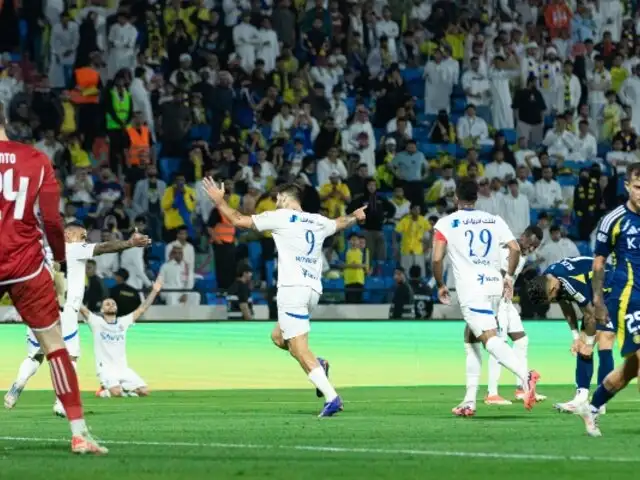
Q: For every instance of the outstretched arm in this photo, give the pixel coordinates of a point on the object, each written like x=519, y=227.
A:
x=155, y=290
x=85, y=312
x=136, y=240
x=216, y=194
x=346, y=221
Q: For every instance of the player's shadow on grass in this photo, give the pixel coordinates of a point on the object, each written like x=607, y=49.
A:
x=495, y=417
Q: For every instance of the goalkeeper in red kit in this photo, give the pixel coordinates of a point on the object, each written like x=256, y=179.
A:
x=29, y=218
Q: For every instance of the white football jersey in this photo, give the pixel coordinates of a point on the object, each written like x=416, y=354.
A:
x=298, y=237
x=110, y=341
x=77, y=256
x=475, y=240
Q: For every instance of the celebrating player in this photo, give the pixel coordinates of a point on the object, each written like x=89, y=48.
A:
x=77, y=253
x=473, y=241
x=569, y=282
x=110, y=346
x=618, y=234
x=29, y=201
x=510, y=324
x=299, y=237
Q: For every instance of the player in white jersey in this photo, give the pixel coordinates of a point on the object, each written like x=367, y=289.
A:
x=473, y=241
x=77, y=253
x=510, y=325
x=298, y=237
x=110, y=346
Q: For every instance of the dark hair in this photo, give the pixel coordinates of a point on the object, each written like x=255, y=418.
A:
x=537, y=290
x=242, y=269
x=91, y=261
x=467, y=190
x=633, y=170
x=554, y=228
x=415, y=271
x=290, y=189
x=534, y=230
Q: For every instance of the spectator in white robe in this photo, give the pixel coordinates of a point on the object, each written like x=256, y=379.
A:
x=122, y=45
x=556, y=249
x=548, y=191
x=64, y=43
x=515, y=208
x=177, y=276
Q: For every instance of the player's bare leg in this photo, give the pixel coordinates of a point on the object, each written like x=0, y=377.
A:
x=505, y=355
x=617, y=380
x=65, y=383
x=299, y=349
x=27, y=369
x=278, y=341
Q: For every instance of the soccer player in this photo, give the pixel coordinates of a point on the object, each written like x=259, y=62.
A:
x=77, y=254
x=110, y=347
x=29, y=217
x=510, y=325
x=299, y=237
x=569, y=282
x=618, y=234
x=473, y=241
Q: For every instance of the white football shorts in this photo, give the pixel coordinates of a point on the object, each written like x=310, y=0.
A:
x=295, y=305
x=509, y=319
x=70, y=334
x=120, y=377
x=480, y=315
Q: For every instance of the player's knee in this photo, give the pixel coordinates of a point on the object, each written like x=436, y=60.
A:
x=116, y=391
x=487, y=335
x=605, y=340
x=515, y=336
x=142, y=392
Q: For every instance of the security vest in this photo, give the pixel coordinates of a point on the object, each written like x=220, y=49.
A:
x=86, y=91
x=121, y=106
x=139, y=145
x=224, y=231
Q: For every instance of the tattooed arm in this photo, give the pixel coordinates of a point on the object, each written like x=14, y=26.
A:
x=114, y=246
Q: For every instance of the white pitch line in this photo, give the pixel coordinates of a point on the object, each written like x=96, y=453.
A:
x=327, y=449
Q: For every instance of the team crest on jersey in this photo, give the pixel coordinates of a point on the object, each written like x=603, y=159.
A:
x=455, y=223
x=293, y=218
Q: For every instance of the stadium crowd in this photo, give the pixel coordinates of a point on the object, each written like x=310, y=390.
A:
x=359, y=102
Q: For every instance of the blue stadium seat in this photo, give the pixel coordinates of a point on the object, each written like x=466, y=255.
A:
x=584, y=248
x=109, y=283
x=158, y=251
x=458, y=104
x=458, y=91
x=510, y=136
x=210, y=298
x=255, y=252
x=411, y=74
x=81, y=213
x=350, y=102
x=603, y=149
x=155, y=266
x=270, y=268
x=333, y=284
x=416, y=88
x=375, y=290
x=430, y=150
x=419, y=104
x=567, y=180
x=168, y=168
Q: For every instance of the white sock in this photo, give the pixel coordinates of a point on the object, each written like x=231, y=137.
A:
x=582, y=395
x=521, y=348
x=27, y=369
x=494, y=376
x=321, y=382
x=473, y=370
x=78, y=427
x=502, y=352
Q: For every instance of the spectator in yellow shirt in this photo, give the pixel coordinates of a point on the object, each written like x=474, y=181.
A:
x=178, y=204
x=335, y=196
x=471, y=158
x=412, y=230
x=355, y=267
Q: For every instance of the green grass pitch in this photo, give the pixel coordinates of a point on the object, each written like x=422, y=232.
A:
x=388, y=433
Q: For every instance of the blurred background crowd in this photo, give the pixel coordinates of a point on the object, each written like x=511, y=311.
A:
x=384, y=102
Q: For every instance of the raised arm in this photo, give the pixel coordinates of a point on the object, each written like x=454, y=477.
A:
x=216, y=194
x=155, y=290
x=85, y=312
x=136, y=240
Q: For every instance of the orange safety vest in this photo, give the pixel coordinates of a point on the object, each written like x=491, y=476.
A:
x=139, y=145
x=224, y=231
x=86, y=91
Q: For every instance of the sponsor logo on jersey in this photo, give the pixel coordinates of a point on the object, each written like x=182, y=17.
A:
x=478, y=221
x=308, y=260
x=112, y=337
x=482, y=279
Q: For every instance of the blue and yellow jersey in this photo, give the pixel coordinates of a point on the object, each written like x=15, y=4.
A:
x=618, y=236
x=575, y=275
